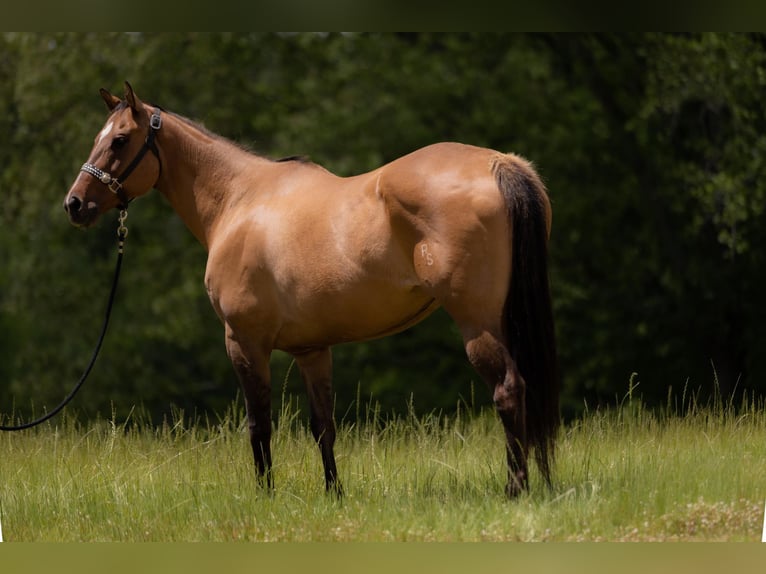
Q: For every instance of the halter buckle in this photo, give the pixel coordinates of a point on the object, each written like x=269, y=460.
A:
x=114, y=185
x=155, y=122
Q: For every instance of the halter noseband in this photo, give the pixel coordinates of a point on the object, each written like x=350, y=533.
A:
x=115, y=183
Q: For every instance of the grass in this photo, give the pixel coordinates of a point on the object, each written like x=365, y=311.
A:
x=627, y=473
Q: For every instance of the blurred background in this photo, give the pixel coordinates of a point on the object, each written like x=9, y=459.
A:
x=652, y=146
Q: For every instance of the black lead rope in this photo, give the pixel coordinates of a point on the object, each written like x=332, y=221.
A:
x=122, y=233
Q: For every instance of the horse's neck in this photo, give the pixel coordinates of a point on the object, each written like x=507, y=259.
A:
x=198, y=175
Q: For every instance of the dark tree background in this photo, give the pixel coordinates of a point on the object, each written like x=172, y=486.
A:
x=652, y=147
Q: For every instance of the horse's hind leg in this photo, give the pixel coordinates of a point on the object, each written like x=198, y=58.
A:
x=316, y=369
x=252, y=368
x=489, y=355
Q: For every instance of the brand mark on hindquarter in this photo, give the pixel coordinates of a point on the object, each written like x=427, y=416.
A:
x=427, y=255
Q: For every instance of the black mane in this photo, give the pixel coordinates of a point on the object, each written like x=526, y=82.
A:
x=298, y=158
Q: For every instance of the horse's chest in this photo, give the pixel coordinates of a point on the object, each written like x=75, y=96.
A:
x=238, y=287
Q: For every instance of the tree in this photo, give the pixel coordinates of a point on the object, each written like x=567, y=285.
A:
x=651, y=146
x=665, y=278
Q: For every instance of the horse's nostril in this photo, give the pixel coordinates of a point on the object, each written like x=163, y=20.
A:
x=73, y=204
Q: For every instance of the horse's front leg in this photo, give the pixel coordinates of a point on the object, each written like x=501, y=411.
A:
x=252, y=367
x=316, y=369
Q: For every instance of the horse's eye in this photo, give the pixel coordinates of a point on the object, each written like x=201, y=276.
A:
x=119, y=142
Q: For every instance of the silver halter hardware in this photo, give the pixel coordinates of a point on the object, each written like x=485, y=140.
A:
x=112, y=182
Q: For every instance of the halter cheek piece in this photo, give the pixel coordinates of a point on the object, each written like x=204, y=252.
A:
x=115, y=183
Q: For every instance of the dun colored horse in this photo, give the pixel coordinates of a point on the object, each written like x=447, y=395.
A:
x=300, y=259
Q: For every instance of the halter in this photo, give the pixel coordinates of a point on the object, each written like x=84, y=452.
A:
x=115, y=183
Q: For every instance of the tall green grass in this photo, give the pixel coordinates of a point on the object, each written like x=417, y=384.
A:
x=686, y=472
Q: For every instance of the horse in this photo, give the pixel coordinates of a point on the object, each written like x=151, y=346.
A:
x=300, y=259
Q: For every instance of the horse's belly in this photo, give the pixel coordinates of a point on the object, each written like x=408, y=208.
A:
x=354, y=317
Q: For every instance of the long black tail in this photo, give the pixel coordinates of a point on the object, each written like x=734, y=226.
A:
x=528, y=309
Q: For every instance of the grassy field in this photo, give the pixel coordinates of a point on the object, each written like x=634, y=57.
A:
x=625, y=473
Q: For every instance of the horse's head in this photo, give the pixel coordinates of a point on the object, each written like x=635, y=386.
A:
x=118, y=168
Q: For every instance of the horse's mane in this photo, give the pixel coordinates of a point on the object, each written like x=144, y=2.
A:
x=303, y=159
x=205, y=131
x=297, y=158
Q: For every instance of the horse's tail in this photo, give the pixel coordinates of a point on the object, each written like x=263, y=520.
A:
x=528, y=314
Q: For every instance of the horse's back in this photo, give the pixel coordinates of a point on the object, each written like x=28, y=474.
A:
x=447, y=179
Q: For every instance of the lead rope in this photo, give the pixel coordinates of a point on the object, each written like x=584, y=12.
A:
x=122, y=233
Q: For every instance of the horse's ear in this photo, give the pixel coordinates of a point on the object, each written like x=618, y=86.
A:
x=132, y=98
x=111, y=101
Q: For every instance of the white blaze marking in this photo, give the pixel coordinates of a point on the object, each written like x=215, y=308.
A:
x=105, y=131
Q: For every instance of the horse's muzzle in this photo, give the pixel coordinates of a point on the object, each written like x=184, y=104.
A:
x=80, y=214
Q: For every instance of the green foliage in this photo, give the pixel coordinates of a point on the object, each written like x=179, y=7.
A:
x=651, y=145
x=667, y=274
